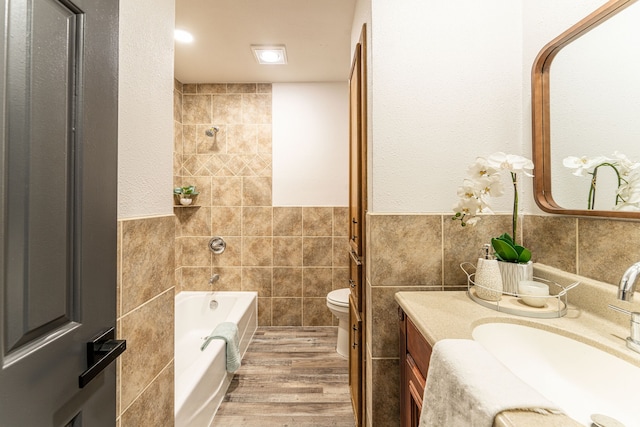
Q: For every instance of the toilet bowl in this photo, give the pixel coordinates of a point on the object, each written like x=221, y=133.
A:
x=338, y=303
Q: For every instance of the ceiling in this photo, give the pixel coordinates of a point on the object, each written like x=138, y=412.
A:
x=317, y=35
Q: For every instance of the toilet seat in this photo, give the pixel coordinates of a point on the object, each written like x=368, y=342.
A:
x=339, y=297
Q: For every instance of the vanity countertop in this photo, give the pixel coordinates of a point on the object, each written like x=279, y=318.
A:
x=452, y=314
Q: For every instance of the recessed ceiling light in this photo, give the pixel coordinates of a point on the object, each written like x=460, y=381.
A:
x=182, y=36
x=275, y=54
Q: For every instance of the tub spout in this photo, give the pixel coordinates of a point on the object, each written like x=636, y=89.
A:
x=627, y=285
x=214, y=278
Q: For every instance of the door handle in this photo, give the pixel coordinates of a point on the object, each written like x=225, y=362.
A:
x=103, y=350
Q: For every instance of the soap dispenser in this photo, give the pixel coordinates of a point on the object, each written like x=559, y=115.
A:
x=488, y=279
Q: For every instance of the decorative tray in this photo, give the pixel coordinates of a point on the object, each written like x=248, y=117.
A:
x=555, y=304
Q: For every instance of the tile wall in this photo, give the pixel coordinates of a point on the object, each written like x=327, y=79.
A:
x=423, y=252
x=292, y=256
x=145, y=307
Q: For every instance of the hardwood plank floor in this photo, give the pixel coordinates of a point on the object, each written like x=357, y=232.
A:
x=290, y=376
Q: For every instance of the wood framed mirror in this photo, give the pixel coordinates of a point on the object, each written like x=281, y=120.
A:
x=551, y=140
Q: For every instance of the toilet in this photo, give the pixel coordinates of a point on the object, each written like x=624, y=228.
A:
x=338, y=303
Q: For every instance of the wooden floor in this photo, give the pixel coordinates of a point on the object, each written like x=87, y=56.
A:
x=290, y=376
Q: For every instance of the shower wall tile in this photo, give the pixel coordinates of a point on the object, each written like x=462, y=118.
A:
x=257, y=221
x=258, y=279
x=196, y=109
x=317, y=221
x=317, y=251
x=226, y=221
x=266, y=249
x=287, y=251
x=227, y=109
x=256, y=191
x=287, y=221
x=211, y=88
x=287, y=281
x=552, y=240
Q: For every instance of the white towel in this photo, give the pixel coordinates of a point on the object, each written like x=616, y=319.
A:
x=467, y=386
x=227, y=331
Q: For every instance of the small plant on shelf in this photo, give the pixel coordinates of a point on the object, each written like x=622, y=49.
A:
x=186, y=194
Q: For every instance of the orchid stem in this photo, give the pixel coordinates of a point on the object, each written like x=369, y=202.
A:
x=514, y=178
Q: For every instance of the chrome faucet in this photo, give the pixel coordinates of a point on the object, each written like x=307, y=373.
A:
x=626, y=289
x=627, y=285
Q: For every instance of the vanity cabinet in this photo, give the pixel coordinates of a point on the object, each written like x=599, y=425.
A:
x=415, y=353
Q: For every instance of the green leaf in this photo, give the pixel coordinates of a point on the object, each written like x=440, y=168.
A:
x=524, y=256
x=504, y=250
x=507, y=238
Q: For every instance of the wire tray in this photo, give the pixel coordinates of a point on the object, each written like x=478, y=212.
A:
x=555, y=304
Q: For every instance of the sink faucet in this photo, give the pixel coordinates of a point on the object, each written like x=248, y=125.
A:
x=627, y=285
x=626, y=289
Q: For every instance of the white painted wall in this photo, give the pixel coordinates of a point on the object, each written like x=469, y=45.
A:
x=145, y=134
x=310, y=144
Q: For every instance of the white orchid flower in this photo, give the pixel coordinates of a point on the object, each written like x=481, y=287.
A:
x=626, y=165
x=582, y=164
x=511, y=162
x=480, y=169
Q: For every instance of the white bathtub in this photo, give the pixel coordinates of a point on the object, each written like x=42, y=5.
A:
x=201, y=378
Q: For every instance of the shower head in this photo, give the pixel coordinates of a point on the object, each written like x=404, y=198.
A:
x=212, y=131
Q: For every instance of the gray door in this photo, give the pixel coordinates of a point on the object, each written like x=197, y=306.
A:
x=58, y=198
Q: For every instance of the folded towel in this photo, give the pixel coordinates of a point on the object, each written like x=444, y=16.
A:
x=467, y=386
x=227, y=331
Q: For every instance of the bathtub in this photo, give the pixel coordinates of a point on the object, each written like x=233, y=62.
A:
x=201, y=378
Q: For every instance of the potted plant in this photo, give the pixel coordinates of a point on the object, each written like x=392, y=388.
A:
x=485, y=182
x=185, y=195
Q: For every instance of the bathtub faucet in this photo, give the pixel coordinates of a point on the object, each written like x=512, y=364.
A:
x=214, y=278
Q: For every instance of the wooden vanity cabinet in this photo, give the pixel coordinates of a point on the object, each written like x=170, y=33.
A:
x=415, y=353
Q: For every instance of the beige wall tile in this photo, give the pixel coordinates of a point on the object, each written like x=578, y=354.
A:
x=257, y=251
x=242, y=139
x=340, y=278
x=194, y=251
x=317, y=281
x=264, y=311
x=257, y=221
x=287, y=251
x=287, y=221
x=226, y=191
x=155, y=406
x=286, y=311
x=232, y=256
x=195, y=278
x=287, y=281
x=604, y=250
x=258, y=279
x=226, y=221
x=463, y=244
x=147, y=259
x=177, y=106
x=256, y=108
x=340, y=256
x=405, y=250
x=212, y=88
x=149, y=333
x=341, y=221
x=189, y=88
x=227, y=109
x=256, y=191
x=316, y=313
x=195, y=221
x=196, y=109
x=206, y=144
x=189, y=139
x=317, y=221
x=177, y=85
x=552, y=240
x=264, y=139
x=230, y=279
x=241, y=87
x=263, y=88
x=385, y=400
x=317, y=251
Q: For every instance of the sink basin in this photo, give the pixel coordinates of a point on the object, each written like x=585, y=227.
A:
x=581, y=379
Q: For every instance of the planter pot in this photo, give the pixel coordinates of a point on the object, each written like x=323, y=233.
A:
x=185, y=201
x=512, y=273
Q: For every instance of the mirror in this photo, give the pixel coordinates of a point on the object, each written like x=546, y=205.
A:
x=587, y=110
